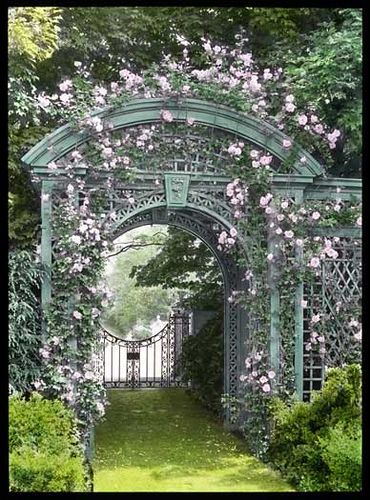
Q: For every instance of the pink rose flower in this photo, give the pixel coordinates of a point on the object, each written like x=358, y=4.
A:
x=358, y=335
x=66, y=85
x=289, y=107
x=314, y=262
x=167, y=116
x=266, y=160
x=315, y=318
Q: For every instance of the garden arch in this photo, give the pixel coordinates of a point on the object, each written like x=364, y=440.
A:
x=187, y=188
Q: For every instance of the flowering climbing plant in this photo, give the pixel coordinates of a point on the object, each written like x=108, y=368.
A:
x=277, y=231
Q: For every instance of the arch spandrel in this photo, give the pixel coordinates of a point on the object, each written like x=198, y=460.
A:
x=141, y=111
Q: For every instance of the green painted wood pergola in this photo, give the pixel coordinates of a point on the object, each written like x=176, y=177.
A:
x=189, y=193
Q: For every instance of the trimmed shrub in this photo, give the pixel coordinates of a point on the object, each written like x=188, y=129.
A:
x=31, y=470
x=316, y=444
x=45, y=454
x=342, y=453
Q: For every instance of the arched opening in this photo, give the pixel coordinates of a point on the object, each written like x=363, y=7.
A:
x=168, y=354
x=206, y=228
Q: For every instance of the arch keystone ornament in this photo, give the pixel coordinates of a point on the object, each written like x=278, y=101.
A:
x=184, y=180
x=177, y=186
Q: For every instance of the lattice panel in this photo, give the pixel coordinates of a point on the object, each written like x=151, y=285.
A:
x=342, y=283
x=313, y=363
x=172, y=147
x=336, y=294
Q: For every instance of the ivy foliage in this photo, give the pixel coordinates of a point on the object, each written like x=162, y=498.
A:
x=24, y=320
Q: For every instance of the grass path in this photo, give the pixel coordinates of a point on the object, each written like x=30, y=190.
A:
x=162, y=440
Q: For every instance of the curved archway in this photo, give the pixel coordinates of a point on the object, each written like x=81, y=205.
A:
x=190, y=192
x=143, y=111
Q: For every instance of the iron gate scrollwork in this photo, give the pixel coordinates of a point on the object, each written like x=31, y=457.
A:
x=151, y=362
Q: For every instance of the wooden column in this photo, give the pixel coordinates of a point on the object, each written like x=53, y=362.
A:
x=46, y=194
x=274, y=307
x=298, y=324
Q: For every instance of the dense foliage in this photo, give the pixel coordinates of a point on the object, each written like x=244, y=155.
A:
x=334, y=56
x=317, y=445
x=205, y=349
x=45, y=453
x=24, y=320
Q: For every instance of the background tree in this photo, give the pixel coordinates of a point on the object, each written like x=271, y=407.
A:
x=135, y=308
x=187, y=264
x=33, y=34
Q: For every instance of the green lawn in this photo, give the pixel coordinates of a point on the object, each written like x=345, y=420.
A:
x=161, y=440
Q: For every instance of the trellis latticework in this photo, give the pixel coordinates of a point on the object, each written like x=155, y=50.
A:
x=337, y=293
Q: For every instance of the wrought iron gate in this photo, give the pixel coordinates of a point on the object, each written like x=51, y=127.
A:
x=151, y=362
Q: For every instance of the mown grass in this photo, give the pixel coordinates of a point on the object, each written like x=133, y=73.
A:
x=162, y=440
